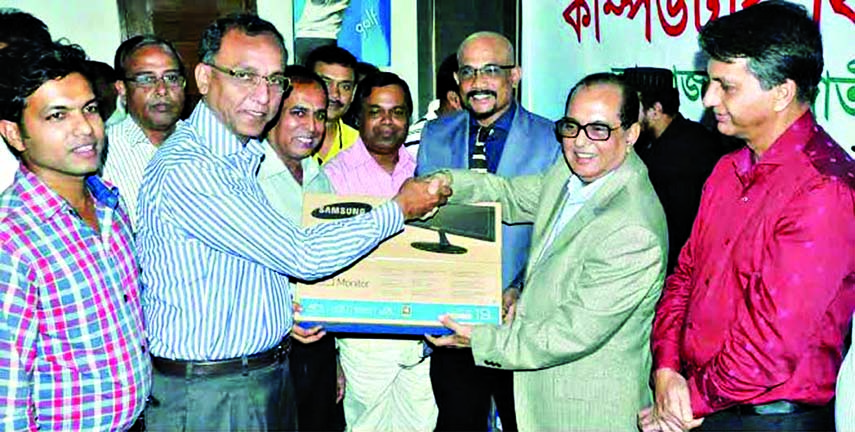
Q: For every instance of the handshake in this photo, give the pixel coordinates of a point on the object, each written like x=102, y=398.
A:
x=422, y=195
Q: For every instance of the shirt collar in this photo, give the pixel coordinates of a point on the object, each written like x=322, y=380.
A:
x=361, y=157
x=219, y=138
x=43, y=202
x=132, y=132
x=503, y=123
x=579, y=192
x=786, y=148
x=272, y=166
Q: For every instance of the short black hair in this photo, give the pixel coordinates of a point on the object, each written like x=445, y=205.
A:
x=629, y=105
x=363, y=69
x=299, y=74
x=655, y=85
x=16, y=25
x=26, y=65
x=331, y=54
x=383, y=79
x=246, y=23
x=779, y=40
x=127, y=49
x=445, y=81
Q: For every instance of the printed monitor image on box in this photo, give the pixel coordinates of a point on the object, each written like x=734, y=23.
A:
x=450, y=263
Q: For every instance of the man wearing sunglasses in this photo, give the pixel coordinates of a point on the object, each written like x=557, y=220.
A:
x=216, y=256
x=151, y=85
x=492, y=134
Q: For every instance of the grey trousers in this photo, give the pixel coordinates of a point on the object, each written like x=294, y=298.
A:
x=259, y=400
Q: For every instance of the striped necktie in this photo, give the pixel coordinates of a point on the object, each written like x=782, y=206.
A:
x=478, y=162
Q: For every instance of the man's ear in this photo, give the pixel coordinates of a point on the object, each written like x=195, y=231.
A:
x=203, y=78
x=516, y=76
x=454, y=101
x=632, y=135
x=784, y=94
x=12, y=134
x=120, y=88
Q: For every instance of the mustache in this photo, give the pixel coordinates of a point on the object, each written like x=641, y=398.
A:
x=479, y=93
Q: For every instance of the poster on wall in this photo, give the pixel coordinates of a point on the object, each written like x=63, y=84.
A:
x=568, y=39
x=359, y=26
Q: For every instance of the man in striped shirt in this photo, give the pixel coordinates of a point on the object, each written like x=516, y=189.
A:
x=151, y=84
x=216, y=256
x=72, y=348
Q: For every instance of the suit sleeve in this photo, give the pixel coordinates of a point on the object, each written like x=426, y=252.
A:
x=766, y=343
x=619, y=275
x=519, y=196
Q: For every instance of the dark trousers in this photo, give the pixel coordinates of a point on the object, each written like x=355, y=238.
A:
x=737, y=419
x=258, y=400
x=463, y=390
x=313, y=368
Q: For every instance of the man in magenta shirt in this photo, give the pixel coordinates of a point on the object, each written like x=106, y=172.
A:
x=388, y=380
x=749, y=331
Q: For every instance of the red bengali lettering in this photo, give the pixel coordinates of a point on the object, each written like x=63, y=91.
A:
x=840, y=8
x=713, y=6
x=577, y=7
x=634, y=7
x=674, y=8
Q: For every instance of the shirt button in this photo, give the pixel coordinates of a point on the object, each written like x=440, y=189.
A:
x=726, y=242
x=127, y=298
x=745, y=199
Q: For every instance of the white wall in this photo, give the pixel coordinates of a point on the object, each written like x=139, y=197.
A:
x=94, y=25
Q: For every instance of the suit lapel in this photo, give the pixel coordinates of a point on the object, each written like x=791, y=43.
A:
x=515, y=145
x=592, y=208
x=459, y=134
x=554, y=191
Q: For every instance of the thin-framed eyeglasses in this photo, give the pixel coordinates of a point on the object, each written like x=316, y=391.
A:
x=247, y=79
x=568, y=128
x=467, y=73
x=150, y=80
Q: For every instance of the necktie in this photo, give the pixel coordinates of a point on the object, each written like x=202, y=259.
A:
x=478, y=162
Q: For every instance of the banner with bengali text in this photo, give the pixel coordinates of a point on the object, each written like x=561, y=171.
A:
x=564, y=40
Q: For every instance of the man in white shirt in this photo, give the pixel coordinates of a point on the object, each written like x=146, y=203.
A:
x=152, y=87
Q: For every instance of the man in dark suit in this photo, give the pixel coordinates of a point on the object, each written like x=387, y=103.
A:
x=496, y=135
x=679, y=153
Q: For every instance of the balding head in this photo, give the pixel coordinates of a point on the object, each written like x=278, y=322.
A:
x=487, y=75
x=491, y=41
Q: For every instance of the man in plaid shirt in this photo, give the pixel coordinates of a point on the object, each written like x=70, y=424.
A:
x=72, y=348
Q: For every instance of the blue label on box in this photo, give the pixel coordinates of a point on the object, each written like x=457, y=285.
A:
x=390, y=317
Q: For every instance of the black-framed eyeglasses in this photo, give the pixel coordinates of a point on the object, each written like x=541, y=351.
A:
x=568, y=128
x=150, y=80
x=247, y=79
x=467, y=73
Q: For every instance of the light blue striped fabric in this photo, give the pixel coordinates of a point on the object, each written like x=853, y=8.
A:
x=216, y=256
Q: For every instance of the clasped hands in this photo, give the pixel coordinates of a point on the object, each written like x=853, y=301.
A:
x=419, y=197
x=672, y=410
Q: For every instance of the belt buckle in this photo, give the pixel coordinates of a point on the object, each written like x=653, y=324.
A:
x=777, y=407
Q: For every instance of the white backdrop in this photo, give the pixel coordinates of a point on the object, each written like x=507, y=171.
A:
x=564, y=40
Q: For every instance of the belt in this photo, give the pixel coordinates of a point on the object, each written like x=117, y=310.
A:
x=184, y=368
x=772, y=408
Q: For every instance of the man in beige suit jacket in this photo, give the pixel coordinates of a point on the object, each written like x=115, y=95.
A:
x=579, y=341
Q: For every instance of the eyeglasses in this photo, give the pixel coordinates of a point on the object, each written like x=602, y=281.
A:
x=467, y=73
x=275, y=81
x=567, y=128
x=148, y=80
